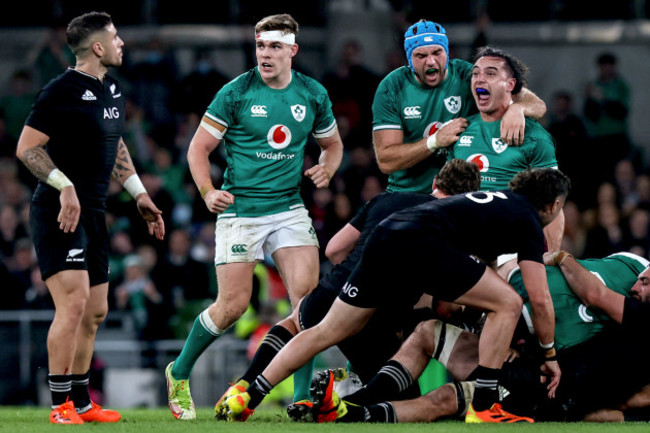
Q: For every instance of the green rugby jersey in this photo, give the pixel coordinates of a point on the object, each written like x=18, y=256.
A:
x=401, y=102
x=574, y=321
x=498, y=162
x=266, y=138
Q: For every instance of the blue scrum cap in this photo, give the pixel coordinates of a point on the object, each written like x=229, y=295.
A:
x=425, y=33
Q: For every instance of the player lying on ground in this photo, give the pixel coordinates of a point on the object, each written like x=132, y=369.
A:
x=437, y=238
x=594, y=352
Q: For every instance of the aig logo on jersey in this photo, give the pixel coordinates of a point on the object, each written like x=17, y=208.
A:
x=453, y=104
x=499, y=145
x=258, y=111
x=298, y=112
x=412, y=112
x=279, y=137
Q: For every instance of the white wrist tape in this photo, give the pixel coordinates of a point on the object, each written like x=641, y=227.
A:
x=547, y=346
x=58, y=180
x=432, y=142
x=134, y=186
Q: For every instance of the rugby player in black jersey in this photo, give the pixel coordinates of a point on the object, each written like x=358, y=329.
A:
x=437, y=239
x=72, y=142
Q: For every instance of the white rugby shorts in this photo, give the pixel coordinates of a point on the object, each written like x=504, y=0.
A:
x=248, y=239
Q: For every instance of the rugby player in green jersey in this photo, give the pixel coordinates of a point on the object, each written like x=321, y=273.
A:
x=497, y=77
x=591, y=298
x=264, y=118
x=422, y=107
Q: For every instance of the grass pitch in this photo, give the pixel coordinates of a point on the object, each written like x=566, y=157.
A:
x=159, y=420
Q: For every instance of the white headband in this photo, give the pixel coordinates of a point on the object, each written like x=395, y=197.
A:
x=278, y=36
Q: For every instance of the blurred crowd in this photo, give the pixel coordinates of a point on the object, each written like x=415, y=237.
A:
x=164, y=285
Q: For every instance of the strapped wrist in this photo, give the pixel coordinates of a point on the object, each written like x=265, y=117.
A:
x=134, y=186
x=56, y=179
x=432, y=142
x=560, y=257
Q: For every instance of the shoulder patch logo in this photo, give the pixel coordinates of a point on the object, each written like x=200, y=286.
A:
x=499, y=145
x=298, y=112
x=466, y=140
x=88, y=96
x=453, y=104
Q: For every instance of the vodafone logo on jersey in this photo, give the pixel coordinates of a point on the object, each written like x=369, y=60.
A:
x=279, y=137
x=481, y=161
x=432, y=128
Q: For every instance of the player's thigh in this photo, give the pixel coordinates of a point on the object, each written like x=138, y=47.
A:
x=70, y=290
x=56, y=250
x=235, y=282
x=299, y=268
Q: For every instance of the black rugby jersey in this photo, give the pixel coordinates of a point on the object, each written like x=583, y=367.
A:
x=483, y=223
x=368, y=217
x=84, y=119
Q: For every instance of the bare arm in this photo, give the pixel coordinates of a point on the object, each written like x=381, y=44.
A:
x=342, y=243
x=122, y=172
x=198, y=158
x=543, y=316
x=31, y=151
x=554, y=232
x=394, y=155
x=513, y=125
x=590, y=289
x=328, y=162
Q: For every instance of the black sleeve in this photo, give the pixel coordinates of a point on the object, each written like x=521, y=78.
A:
x=636, y=315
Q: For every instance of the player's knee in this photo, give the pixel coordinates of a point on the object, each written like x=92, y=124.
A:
x=513, y=304
x=424, y=336
x=440, y=402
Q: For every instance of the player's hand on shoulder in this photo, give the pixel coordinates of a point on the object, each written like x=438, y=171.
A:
x=513, y=125
x=218, y=201
x=449, y=133
x=319, y=176
x=70, y=210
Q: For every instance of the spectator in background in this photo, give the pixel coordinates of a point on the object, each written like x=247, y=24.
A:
x=37, y=296
x=17, y=101
x=575, y=233
x=153, y=78
x=606, y=237
x=636, y=237
x=351, y=87
x=568, y=130
x=53, y=55
x=10, y=230
x=606, y=112
x=194, y=92
x=139, y=295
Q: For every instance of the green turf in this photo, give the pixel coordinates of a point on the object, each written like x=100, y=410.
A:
x=35, y=420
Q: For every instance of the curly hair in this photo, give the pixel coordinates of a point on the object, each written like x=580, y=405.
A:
x=458, y=176
x=542, y=186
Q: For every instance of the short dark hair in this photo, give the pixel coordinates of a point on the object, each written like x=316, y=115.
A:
x=282, y=22
x=516, y=67
x=606, y=59
x=458, y=176
x=83, y=26
x=542, y=186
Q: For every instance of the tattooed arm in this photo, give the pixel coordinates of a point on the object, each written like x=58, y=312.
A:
x=124, y=172
x=31, y=151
